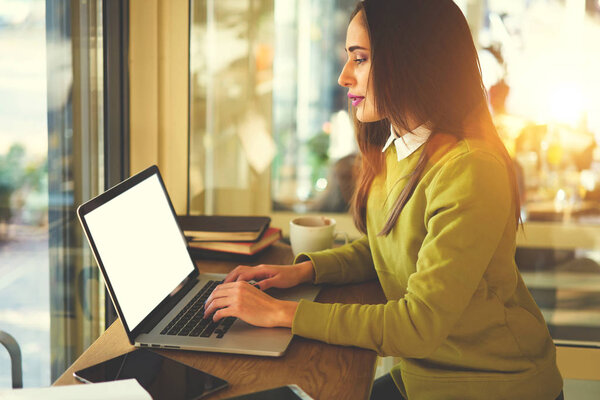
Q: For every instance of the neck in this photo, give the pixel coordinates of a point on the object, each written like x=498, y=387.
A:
x=400, y=131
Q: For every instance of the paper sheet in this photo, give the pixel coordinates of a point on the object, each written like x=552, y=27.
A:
x=127, y=389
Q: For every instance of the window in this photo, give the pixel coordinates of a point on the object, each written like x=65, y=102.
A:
x=270, y=133
x=50, y=161
x=540, y=62
x=314, y=134
x=269, y=106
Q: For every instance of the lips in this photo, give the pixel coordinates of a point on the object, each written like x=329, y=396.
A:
x=355, y=99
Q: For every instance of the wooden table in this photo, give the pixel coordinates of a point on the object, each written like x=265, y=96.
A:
x=324, y=371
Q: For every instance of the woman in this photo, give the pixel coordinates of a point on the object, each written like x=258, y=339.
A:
x=440, y=211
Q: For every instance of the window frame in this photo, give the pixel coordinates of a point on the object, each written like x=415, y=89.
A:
x=115, y=26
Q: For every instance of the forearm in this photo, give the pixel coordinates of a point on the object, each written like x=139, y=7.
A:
x=287, y=310
x=306, y=270
x=411, y=330
x=346, y=264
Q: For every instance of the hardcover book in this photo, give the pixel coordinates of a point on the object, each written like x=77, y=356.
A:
x=223, y=228
x=247, y=248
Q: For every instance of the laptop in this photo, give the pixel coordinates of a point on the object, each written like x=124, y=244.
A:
x=152, y=280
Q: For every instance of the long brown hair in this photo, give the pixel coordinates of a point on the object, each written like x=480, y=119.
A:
x=423, y=64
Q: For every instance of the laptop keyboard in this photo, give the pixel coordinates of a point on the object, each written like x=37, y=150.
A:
x=190, y=320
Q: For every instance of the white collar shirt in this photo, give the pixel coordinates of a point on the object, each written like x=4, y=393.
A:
x=409, y=142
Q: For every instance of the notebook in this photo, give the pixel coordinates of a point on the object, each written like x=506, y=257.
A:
x=154, y=285
x=230, y=228
x=270, y=236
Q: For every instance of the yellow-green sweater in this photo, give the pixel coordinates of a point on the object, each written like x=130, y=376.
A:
x=458, y=313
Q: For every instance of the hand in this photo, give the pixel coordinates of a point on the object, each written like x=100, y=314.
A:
x=250, y=304
x=279, y=276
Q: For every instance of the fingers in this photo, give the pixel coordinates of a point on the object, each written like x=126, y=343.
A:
x=268, y=275
x=241, y=300
x=229, y=310
x=215, y=305
x=246, y=273
x=224, y=313
x=225, y=299
x=220, y=291
x=233, y=275
x=223, y=295
x=267, y=283
x=246, y=276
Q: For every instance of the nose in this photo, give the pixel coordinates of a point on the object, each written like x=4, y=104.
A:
x=346, y=79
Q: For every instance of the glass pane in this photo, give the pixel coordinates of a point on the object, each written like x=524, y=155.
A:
x=540, y=63
x=269, y=106
x=24, y=273
x=315, y=137
x=231, y=96
x=50, y=113
x=75, y=174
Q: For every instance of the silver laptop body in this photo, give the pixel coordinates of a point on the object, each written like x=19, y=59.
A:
x=150, y=276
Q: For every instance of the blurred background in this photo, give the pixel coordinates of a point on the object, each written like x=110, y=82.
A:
x=273, y=97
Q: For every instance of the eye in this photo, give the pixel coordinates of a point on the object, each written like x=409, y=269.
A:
x=359, y=60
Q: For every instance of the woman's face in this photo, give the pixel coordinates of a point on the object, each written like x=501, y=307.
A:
x=356, y=71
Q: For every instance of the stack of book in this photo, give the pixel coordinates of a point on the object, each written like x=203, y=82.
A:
x=228, y=237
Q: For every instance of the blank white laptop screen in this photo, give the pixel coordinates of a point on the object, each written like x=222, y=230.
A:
x=141, y=248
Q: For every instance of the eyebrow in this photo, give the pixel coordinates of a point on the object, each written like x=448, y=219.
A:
x=354, y=48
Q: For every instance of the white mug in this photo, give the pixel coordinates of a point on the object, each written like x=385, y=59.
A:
x=309, y=234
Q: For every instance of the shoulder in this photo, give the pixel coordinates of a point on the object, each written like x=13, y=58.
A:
x=447, y=151
x=467, y=167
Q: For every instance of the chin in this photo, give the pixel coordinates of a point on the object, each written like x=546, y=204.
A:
x=367, y=118
x=367, y=114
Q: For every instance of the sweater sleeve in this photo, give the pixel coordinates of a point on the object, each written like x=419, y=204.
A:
x=345, y=264
x=469, y=203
